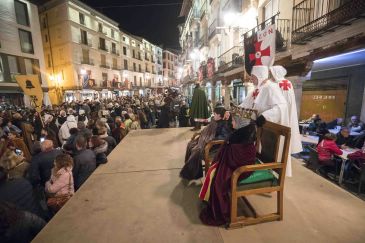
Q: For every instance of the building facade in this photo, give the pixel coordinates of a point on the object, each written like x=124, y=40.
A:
x=170, y=68
x=81, y=48
x=21, y=50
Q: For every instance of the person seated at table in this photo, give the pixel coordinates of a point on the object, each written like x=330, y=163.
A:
x=336, y=122
x=326, y=149
x=343, y=138
x=355, y=125
x=314, y=122
x=321, y=131
x=238, y=150
x=218, y=129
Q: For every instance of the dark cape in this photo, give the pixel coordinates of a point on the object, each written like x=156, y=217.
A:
x=238, y=151
x=199, y=105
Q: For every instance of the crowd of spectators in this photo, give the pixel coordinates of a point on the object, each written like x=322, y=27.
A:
x=48, y=154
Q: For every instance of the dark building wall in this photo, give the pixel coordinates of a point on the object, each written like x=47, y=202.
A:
x=355, y=89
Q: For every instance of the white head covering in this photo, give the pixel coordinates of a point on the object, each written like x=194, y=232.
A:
x=48, y=118
x=261, y=72
x=278, y=72
x=81, y=112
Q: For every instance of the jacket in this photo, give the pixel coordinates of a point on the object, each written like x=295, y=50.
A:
x=62, y=183
x=41, y=167
x=84, y=166
x=326, y=148
x=64, y=132
x=100, y=153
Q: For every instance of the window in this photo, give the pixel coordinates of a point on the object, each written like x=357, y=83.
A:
x=115, y=63
x=102, y=45
x=21, y=12
x=139, y=56
x=44, y=23
x=134, y=67
x=164, y=65
x=104, y=76
x=49, y=60
x=83, y=37
x=103, y=59
x=164, y=55
x=82, y=18
x=28, y=66
x=135, y=81
x=140, y=81
x=13, y=67
x=125, y=65
x=134, y=54
x=124, y=50
x=85, y=56
x=271, y=9
x=26, y=43
x=123, y=38
x=1, y=69
x=112, y=33
x=139, y=67
x=100, y=27
x=114, y=48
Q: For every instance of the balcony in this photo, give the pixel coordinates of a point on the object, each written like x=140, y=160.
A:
x=313, y=18
x=86, y=42
x=232, y=58
x=203, y=10
x=213, y=30
x=105, y=66
x=116, y=67
x=103, y=48
x=87, y=61
x=115, y=52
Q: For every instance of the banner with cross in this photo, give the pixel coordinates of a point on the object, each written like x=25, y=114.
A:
x=260, y=48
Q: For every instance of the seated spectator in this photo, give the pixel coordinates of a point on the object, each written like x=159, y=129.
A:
x=64, y=132
x=326, y=149
x=84, y=162
x=335, y=123
x=109, y=139
x=61, y=183
x=238, y=151
x=217, y=129
x=357, y=160
x=17, y=225
x=42, y=164
x=20, y=193
x=343, y=138
x=355, y=125
x=100, y=147
x=313, y=122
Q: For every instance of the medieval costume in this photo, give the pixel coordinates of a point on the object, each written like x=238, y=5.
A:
x=238, y=150
x=199, y=107
x=193, y=169
x=270, y=104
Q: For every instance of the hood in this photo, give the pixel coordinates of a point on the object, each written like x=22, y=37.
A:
x=278, y=72
x=71, y=118
x=261, y=72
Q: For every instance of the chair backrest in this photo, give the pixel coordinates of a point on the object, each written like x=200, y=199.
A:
x=272, y=144
x=313, y=156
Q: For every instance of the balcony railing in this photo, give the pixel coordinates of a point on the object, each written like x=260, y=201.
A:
x=311, y=18
x=86, y=42
x=87, y=61
x=231, y=58
x=103, y=48
x=212, y=30
x=203, y=9
x=105, y=66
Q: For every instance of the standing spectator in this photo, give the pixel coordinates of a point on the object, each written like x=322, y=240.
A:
x=42, y=164
x=183, y=115
x=109, y=139
x=100, y=147
x=61, y=118
x=84, y=162
x=64, y=132
x=19, y=144
x=199, y=107
x=38, y=124
x=83, y=130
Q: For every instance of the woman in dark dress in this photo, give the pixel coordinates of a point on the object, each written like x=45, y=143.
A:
x=239, y=150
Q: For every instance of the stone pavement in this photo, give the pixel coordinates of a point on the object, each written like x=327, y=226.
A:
x=138, y=197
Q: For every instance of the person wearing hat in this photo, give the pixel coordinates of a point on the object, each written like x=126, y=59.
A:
x=269, y=102
x=286, y=87
x=199, y=107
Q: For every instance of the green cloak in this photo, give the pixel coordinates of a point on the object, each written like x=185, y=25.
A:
x=199, y=105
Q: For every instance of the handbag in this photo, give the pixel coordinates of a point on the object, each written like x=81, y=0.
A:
x=57, y=202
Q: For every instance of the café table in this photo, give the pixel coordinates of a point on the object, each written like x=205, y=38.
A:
x=343, y=156
x=310, y=139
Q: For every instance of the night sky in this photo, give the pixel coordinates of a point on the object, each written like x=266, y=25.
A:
x=158, y=24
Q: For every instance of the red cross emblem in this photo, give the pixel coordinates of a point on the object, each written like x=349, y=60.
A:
x=285, y=85
x=255, y=93
x=259, y=53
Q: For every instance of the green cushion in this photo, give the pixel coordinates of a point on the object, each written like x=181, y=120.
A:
x=258, y=176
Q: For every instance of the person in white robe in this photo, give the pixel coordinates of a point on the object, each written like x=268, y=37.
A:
x=286, y=87
x=269, y=102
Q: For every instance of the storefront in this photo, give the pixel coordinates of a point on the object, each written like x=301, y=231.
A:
x=238, y=92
